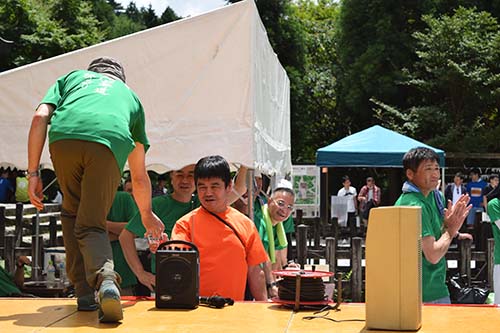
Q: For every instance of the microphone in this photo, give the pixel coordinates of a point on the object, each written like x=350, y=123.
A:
x=216, y=301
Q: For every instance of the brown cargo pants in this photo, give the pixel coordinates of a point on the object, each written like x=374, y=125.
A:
x=88, y=176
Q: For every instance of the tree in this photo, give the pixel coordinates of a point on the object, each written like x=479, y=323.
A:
x=456, y=81
x=320, y=118
x=168, y=15
x=41, y=31
x=149, y=17
x=374, y=43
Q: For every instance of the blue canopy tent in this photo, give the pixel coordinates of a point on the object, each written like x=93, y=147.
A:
x=373, y=147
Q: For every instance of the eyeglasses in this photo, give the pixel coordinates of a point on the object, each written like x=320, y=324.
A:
x=282, y=204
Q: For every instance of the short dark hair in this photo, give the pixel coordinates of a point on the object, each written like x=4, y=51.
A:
x=493, y=176
x=475, y=171
x=212, y=167
x=460, y=175
x=344, y=178
x=415, y=156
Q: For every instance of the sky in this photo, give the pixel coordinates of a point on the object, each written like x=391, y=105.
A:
x=182, y=8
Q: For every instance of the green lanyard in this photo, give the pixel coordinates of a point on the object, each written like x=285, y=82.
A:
x=280, y=232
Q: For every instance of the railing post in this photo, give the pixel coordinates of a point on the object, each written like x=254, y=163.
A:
x=52, y=231
x=2, y=227
x=317, y=233
x=331, y=258
x=357, y=272
x=465, y=258
x=302, y=244
x=490, y=258
x=9, y=253
x=18, y=232
x=37, y=263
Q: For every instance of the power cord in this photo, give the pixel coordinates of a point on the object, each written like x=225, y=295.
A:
x=326, y=311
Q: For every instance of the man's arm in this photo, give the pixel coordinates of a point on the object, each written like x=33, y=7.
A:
x=19, y=273
x=114, y=229
x=130, y=252
x=36, y=141
x=142, y=192
x=239, y=186
x=257, y=283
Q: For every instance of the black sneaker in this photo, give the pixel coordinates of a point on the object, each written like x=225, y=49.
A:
x=87, y=303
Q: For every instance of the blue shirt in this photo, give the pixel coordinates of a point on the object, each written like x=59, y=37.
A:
x=5, y=187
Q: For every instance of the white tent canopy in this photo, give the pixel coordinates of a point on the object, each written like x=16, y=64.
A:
x=210, y=84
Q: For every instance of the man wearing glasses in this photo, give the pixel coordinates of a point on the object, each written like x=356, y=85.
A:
x=271, y=230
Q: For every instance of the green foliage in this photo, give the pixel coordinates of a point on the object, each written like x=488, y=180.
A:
x=374, y=43
x=317, y=117
x=456, y=79
x=169, y=16
x=41, y=30
x=123, y=26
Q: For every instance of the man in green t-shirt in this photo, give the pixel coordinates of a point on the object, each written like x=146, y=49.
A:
x=272, y=232
x=440, y=224
x=169, y=208
x=122, y=211
x=494, y=214
x=97, y=123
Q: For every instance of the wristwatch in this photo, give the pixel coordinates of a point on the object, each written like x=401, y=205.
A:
x=272, y=284
x=33, y=174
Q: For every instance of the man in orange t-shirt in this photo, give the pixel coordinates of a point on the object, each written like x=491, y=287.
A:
x=230, y=248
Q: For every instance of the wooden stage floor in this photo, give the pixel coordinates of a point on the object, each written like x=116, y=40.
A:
x=60, y=315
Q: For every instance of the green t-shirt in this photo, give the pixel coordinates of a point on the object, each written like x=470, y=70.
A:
x=93, y=107
x=123, y=209
x=7, y=285
x=494, y=214
x=288, y=225
x=168, y=211
x=433, y=276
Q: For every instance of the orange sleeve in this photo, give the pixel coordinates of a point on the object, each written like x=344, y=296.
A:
x=182, y=230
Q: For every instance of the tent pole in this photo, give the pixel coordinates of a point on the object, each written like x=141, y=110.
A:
x=324, y=197
x=250, y=191
x=443, y=183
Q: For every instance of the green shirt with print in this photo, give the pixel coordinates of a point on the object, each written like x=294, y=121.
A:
x=93, y=107
x=168, y=211
x=433, y=275
x=123, y=209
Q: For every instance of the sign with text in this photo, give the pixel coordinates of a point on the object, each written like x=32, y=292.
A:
x=305, y=180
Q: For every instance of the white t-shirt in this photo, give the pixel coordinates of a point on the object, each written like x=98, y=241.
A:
x=350, y=192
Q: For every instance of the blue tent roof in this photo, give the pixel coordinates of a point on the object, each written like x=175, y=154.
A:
x=373, y=147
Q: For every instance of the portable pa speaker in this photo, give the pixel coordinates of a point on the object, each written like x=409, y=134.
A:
x=177, y=275
x=394, y=269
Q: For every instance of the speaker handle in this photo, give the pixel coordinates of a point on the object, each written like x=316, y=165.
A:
x=178, y=241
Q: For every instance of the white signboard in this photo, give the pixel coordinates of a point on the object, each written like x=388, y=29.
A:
x=305, y=180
